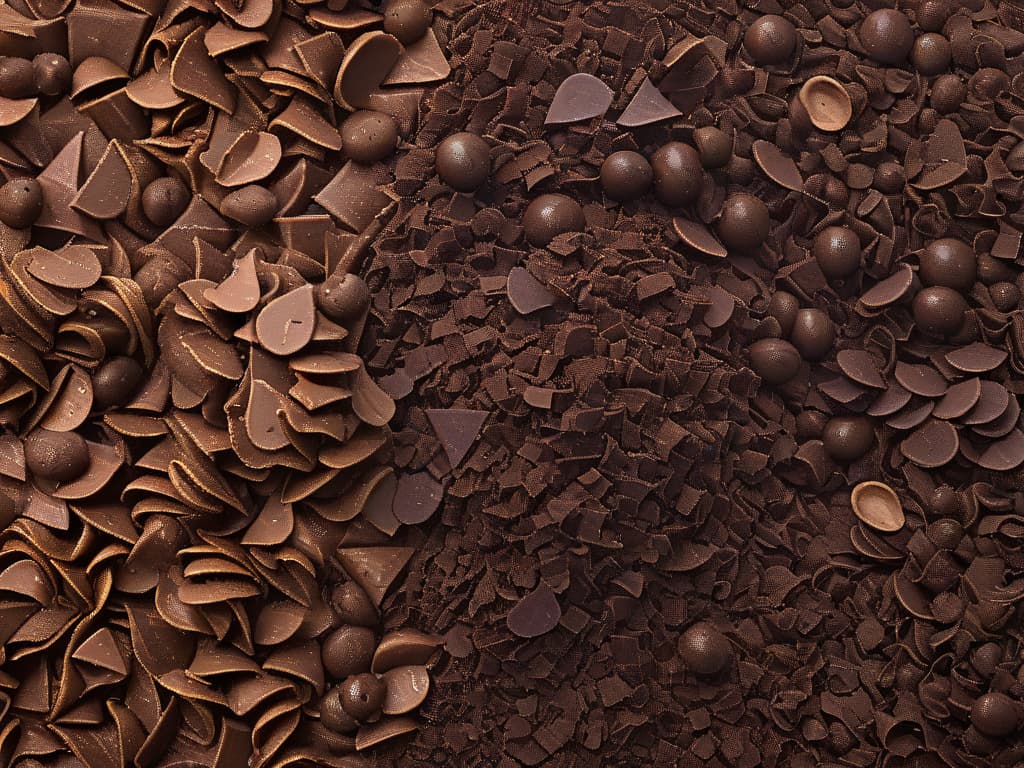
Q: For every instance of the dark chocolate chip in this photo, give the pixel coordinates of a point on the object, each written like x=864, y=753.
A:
x=713, y=145
x=348, y=651
x=362, y=696
x=408, y=20
x=995, y=714
x=116, y=382
x=950, y=263
x=932, y=54
x=535, y=614
x=704, y=649
x=51, y=73
x=813, y=334
x=17, y=79
x=343, y=296
x=887, y=36
x=744, y=222
x=551, y=215
x=164, y=200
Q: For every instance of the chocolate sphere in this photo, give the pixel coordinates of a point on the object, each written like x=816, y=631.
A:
x=932, y=14
x=949, y=262
x=948, y=93
x=783, y=307
x=890, y=178
x=17, y=78
x=353, y=605
x=56, y=456
x=714, y=146
x=165, y=199
x=813, y=334
x=887, y=36
x=115, y=382
x=343, y=297
x=931, y=54
x=333, y=715
x=939, y=311
x=51, y=73
x=837, y=251
x=252, y=205
x=770, y=39
x=704, y=650
x=463, y=161
x=987, y=83
x=776, y=361
x=21, y=202
x=369, y=136
x=348, y=651
x=744, y=222
x=362, y=696
x=847, y=438
x=408, y=20
x=626, y=175
x=678, y=174
x=1005, y=296
x=994, y=714
x=550, y=215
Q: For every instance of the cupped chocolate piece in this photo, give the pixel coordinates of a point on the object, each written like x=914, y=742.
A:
x=165, y=199
x=931, y=54
x=362, y=696
x=704, y=649
x=837, y=251
x=463, y=161
x=56, y=456
x=251, y=205
x=813, y=334
x=348, y=651
x=408, y=20
x=678, y=173
x=887, y=36
x=995, y=714
x=848, y=438
x=116, y=381
x=826, y=102
x=551, y=215
x=770, y=39
x=932, y=14
x=744, y=222
x=343, y=296
x=949, y=262
x=51, y=73
x=890, y=178
x=21, y=202
x=939, y=311
x=714, y=146
x=626, y=175
x=368, y=136
x=774, y=360
x=877, y=506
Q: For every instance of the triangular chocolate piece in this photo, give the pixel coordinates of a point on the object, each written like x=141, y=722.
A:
x=59, y=181
x=375, y=568
x=456, y=428
x=647, y=106
x=104, y=195
x=101, y=650
x=421, y=62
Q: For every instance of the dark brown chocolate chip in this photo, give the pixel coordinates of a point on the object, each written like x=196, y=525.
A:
x=252, y=205
x=116, y=382
x=995, y=714
x=1005, y=296
x=837, y=251
x=17, y=79
x=813, y=334
x=932, y=54
x=713, y=145
x=579, y=97
x=626, y=175
x=362, y=696
x=704, y=649
x=164, y=200
x=950, y=263
x=887, y=36
x=51, y=73
x=939, y=311
x=343, y=296
x=774, y=360
x=535, y=614
x=783, y=306
x=848, y=438
x=770, y=39
x=348, y=651
x=551, y=215
x=890, y=178
x=678, y=174
x=21, y=202
x=744, y=222
x=56, y=456
x=976, y=358
x=408, y=20
x=463, y=161
x=862, y=367
x=921, y=380
x=368, y=136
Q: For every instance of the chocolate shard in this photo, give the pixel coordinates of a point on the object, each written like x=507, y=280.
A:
x=101, y=650
x=374, y=568
x=420, y=62
x=417, y=498
x=648, y=106
x=535, y=614
x=526, y=293
x=579, y=97
x=457, y=429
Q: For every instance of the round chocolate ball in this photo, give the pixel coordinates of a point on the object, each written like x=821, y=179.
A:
x=1005, y=296
x=987, y=83
x=408, y=20
x=626, y=175
x=362, y=696
x=551, y=215
x=463, y=161
x=939, y=311
x=348, y=651
x=51, y=73
x=744, y=222
x=949, y=262
x=948, y=93
x=21, y=202
x=847, y=438
x=56, y=456
x=17, y=78
x=770, y=39
x=887, y=36
x=931, y=54
x=704, y=649
x=890, y=178
x=837, y=251
x=678, y=174
x=343, y=297
x=353, y=605
x=783, y=306
x=333, y=715
x=995, y=714
x=165, y=199
x=932, y=14
x=945, y=502
x=776, y=361
x=251, y=205
x=115, y=382
x=813, y=334
x=369, y=136
x=714, y=146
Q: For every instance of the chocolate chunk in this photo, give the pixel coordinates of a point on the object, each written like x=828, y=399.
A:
x=579, y=97
x=535, y=614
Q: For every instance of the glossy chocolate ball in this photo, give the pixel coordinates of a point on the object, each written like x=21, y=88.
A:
x=21, y=202
x=890, y=178
x=343, y=297
x=704, y=649
x=678, y=174
x=551, y=215
x=887, y=36
x=813, y=334
x=945, y=502
x=353, y=605
x=776, y=361
x=949, y=262
x=837, y=251
x=165, y=199
x=333, y=715
x=744, y=222
x=115, y=382
x=51, y=73
x=948, y=93
x=362, y=696
x=348, y=651
x=252, y=205
x=626, y=175
x=1005, y=295
x=56, y=456
x=17, y=78
x=931, y=54
x=939, y=311
x=714, y=146
x=783, y=306
x=463, y=161
x=932, y=14
x=408, y=20
x=848, y=438
x=995, y=714
x=368, y=136
x=770, y=39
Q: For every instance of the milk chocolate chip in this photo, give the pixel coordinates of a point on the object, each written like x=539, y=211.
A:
x=744, y=222
x=348, y=651
x=714, y=146
x=678, y=173
x=115, y=382
x=333, y=714
x=770, y=39
x=56, y=456
x=950, y=263
x=343, y=297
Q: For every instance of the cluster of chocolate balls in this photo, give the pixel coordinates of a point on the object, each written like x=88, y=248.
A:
x=48, y=74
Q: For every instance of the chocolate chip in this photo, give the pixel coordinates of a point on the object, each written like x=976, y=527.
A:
x=886, y=36
x=890, y=178
x=56, y=456
x=678, y=174
x=408, y=20
x=333, y=714
x=744, y=222
x=353, y=605
x=463, y=161
x=21, y=202
x=704, y=649
x=932, y=54
x=848, y=438
x=369, y=136
x=164, y=200
x=995, y=714
x=770, y=39
x=626, y=175
x=774, y=360
x=837, y=251
x=51, y=74
x=947, y=94
x=813, y=334
x=551, y=215
x=950, y=263
x=253, y=205
x=939, y=311
x=932, y=14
